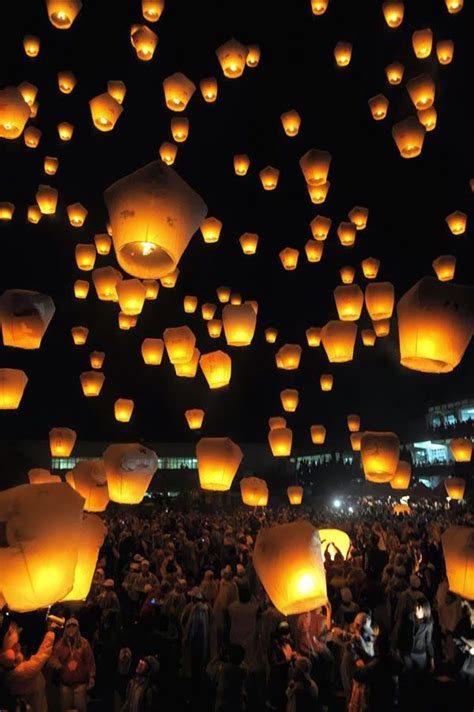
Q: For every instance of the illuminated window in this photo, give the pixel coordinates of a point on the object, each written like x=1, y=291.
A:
x=67, y=463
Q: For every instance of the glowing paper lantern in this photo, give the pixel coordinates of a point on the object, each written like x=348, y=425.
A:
x=50, y=165
x=458, y=551
x=461, y=449
x=32, y=136
x=92, y=382
x=190, y=304
x=338, y=338
x=31, y=45
x=356, y=441
x=131, y=296
x=291, y=122
x=349, y=302
x=218, y=460
x=25, y=316
x=253, y=56
x=214, y=328
x=178, y=90
x=89, y=480
x=334, y=541
x=241, y=164
x=313, y=336
x=422, y=91
x=96, y=359
x=85, y=257
x=271, y=335
x=126, y=321
x=326, y=382
x=236, y=299
x=152, y=288
x=378, y=106
x=402, y=477
x=79, y=335
x=347, y=274
x=393, y=13
x=370, y=267
x=208, y=310
x=343, y=53
x=346, y=233
x=6, y=211
x=445, y=51
x=123, y=409
x=42, y=533
x=103, y=243
x=381, y=327
x=169, y=280
x=209, y=89
x=61, y=441
x=188, y=369
x=105, y=111
x=34, y=214
x=395, y=72
x=152, y=351
x=194, y=418
x=314, y=250
x=295, y=494
x=77, y=214
x=105, y=281
x=180, y=342
x=217, y=368
x=248, y=242
x=254, y=491
x=232, y=55
x=454, y=6
x=445, y=267
x=91, y=538
x=289, y=399
x=66, y=82
x=239, y=323
x=62, y=13
x=152, y=9
x=117, y=90
x=280, y=441
x=379, y=454
x=315, y=166
x=276, y=422
x=409, y=136
x=318, y=193
x=455, y=487
x=289, y=258
x=318, y=434
x=14, y=113
x=427, y=117
x=320, y=227
x=353, y=423
x=289, y=356
x=154, y=214
x=28, y=92
x=129, y=469
x=12, y=385
x=457, y=222
x=435, y=325
x=40, y=476
x=422, y=42
x=289, y=563
x=269, y=177
x=168, y=152
x=65, y=131
x=144, y=42
x=380, y=300
x=211, y=229
x=180, y=128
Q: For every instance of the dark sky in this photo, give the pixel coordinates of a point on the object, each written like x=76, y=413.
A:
x=408, y=202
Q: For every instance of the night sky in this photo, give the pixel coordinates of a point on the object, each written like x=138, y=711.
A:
x=408, y=201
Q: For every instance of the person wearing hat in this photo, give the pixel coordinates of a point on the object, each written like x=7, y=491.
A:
x=108, y=599
x=408, y=598
x=73, y=659
x=281, y=657
x=142, y=692
x=302, y=692
x=144, y=579
x=22, y=680
x=347, y=610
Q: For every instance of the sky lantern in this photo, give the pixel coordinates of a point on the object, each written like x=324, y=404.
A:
x=402, y=477
x=379, y=454
x=289, y=399
x=289, y=258
x=65, y=131
x=318, y=193
x=445, y=267
x=103, y=243
x=154, y=214
x=347, y=274
x=66, y=81
x=393, y=13
x=236, y=299
x=232, y=56
x=276, y=421
x=6, y=210
x=152, y=288
x=253, y=56
x=343, y=53
x=461, y=449
x=34, y=214
x=313, y=336
x=117, y=90
x=105, y=111
x=435, y=325
x=85, y=257
x=62, y=13
x=152, y=351
x=92, y=535
x=359, y=216
x=455, y=488
x=427, y=117
x=457, y=222
x=334, y=541
x=289, y=356
x=50, y=165
x=454, y=6
x=409, y=136
x=92, y=382
x=209, y=89
x=381, y=327
x=356, y=440
x=380, y=300
x=180, y=128
x=77, y=214
x=211, y=229
x=422, y=91
x=89, y=480
x=248, y=242
x=378, y=106
x=326, y=381
x=291, y=122
x=32, y=136
x=320, y=227
x=188, y=369
x=12, y=386
x=353, y=423
x=28, y=92
x=314, y=250
x=194, y=418
x=346, y=232
x=295, y=494
x=271, y=335
x=254, y=491
x=61, y=441
x=395, y=72
x=315, y=166
x=96, y=359
x=123, y=409
x=214, y=328
x=178, y=90
x=190, y=304
x=217, y=368
x=129, y=469
x=318, y=434
x=131, y=296
x=152, y=9
x=289, y=563
x=180, y=342
x=445, y=51
x=81, y=288
x=31, y=45
x=169, y=280
x=144, y=42
x=79, y=335
x=280, y=441
x=241, y=164
x=349, y=302
x=338, y=338
x=14, y=113
x=218, y=460
x=168, y=152
x=40, y=476
x=42, y=534
x=422, y=42
x=239, y=324
x=126, y=321
x=458, y=552
x=34, y=110
x=25, y=316
x=105, y=281
x=269, y=177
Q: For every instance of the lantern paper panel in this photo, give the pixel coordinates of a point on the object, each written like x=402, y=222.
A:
x=218, y=460
x=129, y=469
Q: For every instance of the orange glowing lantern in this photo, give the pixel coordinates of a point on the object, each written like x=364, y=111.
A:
x=211, y=230
x=455, y=487
x=105, y=281
x=445, y=51
x=102, y=243
x=318, y=434
x=131, y=296
x=271, y=335
x=248, y=242
x=168, y=152
x=62, y=13
x=395, y=72
x=393, y=13
x=152, y=9
x=343, y=53
x=61, y=441
x=152, y=351
x=353, y=423
x=253, y=56
x=457, y=222
x=144, y=42
x=217, y=369
x=280, y=441
x=326, y=382
x=123, y=409
x=180, y=342
x=190, y=304
x=105, y=111
x=458, y=545
x=31, y=45
x=461, y=449
x=381, y=327
x=291, y=122
x=349, y=302
x=209, y=89
x=289, y=258
x=232, y=56
x=85, y=257
x=178, y=90
x=25, y=315
x=79, y=335
x=81, y=288
x=50, y=165
x=378, y=106
x=12, y=386
x=14, y=113
x=239, y=323
x=129, y=469
x=313, y=336
x=254, y=491
x=180, y=128
x=34, y=214
x=97, y=359
x=445, y=267
x=65, y=131
x=422, y=91
x=241, y=164
x=92, y=382
x=218, y=460
x=66, y=82
x=47, y=199
x=347, y=274
x=208, y=310
x=427, y=117
x=117, y=90
x=370, y=267
x=214, y=328
x=409, y=136
x=422, y=42
x=295, y=494
x=269, y=177
x=379, y=454
x=194, y=418
x=318, y=193
x=356, y=440
x=315, y=166
x=289, y=356
x=77, y=214
x=169, y=280
x=380, y=300
x=314, y=250
x=338, y=338
x=152, y=289
x=320, y=227
x=289, y=399
x=402, y=477
x=28, y=92
x=276, y=422
x=32, y=136
x=346, y=233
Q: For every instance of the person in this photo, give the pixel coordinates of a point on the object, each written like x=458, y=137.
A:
x=227, y=594
x=108, y=599
x=22, y=679
x=464, y=638
x=142, y=692
x=73, y=659
x=380, y=677
x=228, y=674
x=281, y=657
x=209, y=587
x=144, y=580
x=302, y=692
x=359, y=650
x=196, y=639
x=408, y=598
x=242, y=623
x=413, y=638
x=347, y=610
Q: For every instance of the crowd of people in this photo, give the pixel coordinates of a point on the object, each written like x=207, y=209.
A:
x=177, y=619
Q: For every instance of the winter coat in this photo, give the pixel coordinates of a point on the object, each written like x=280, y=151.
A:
x=380, y=675
x=76, y=664
x=27, y=678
